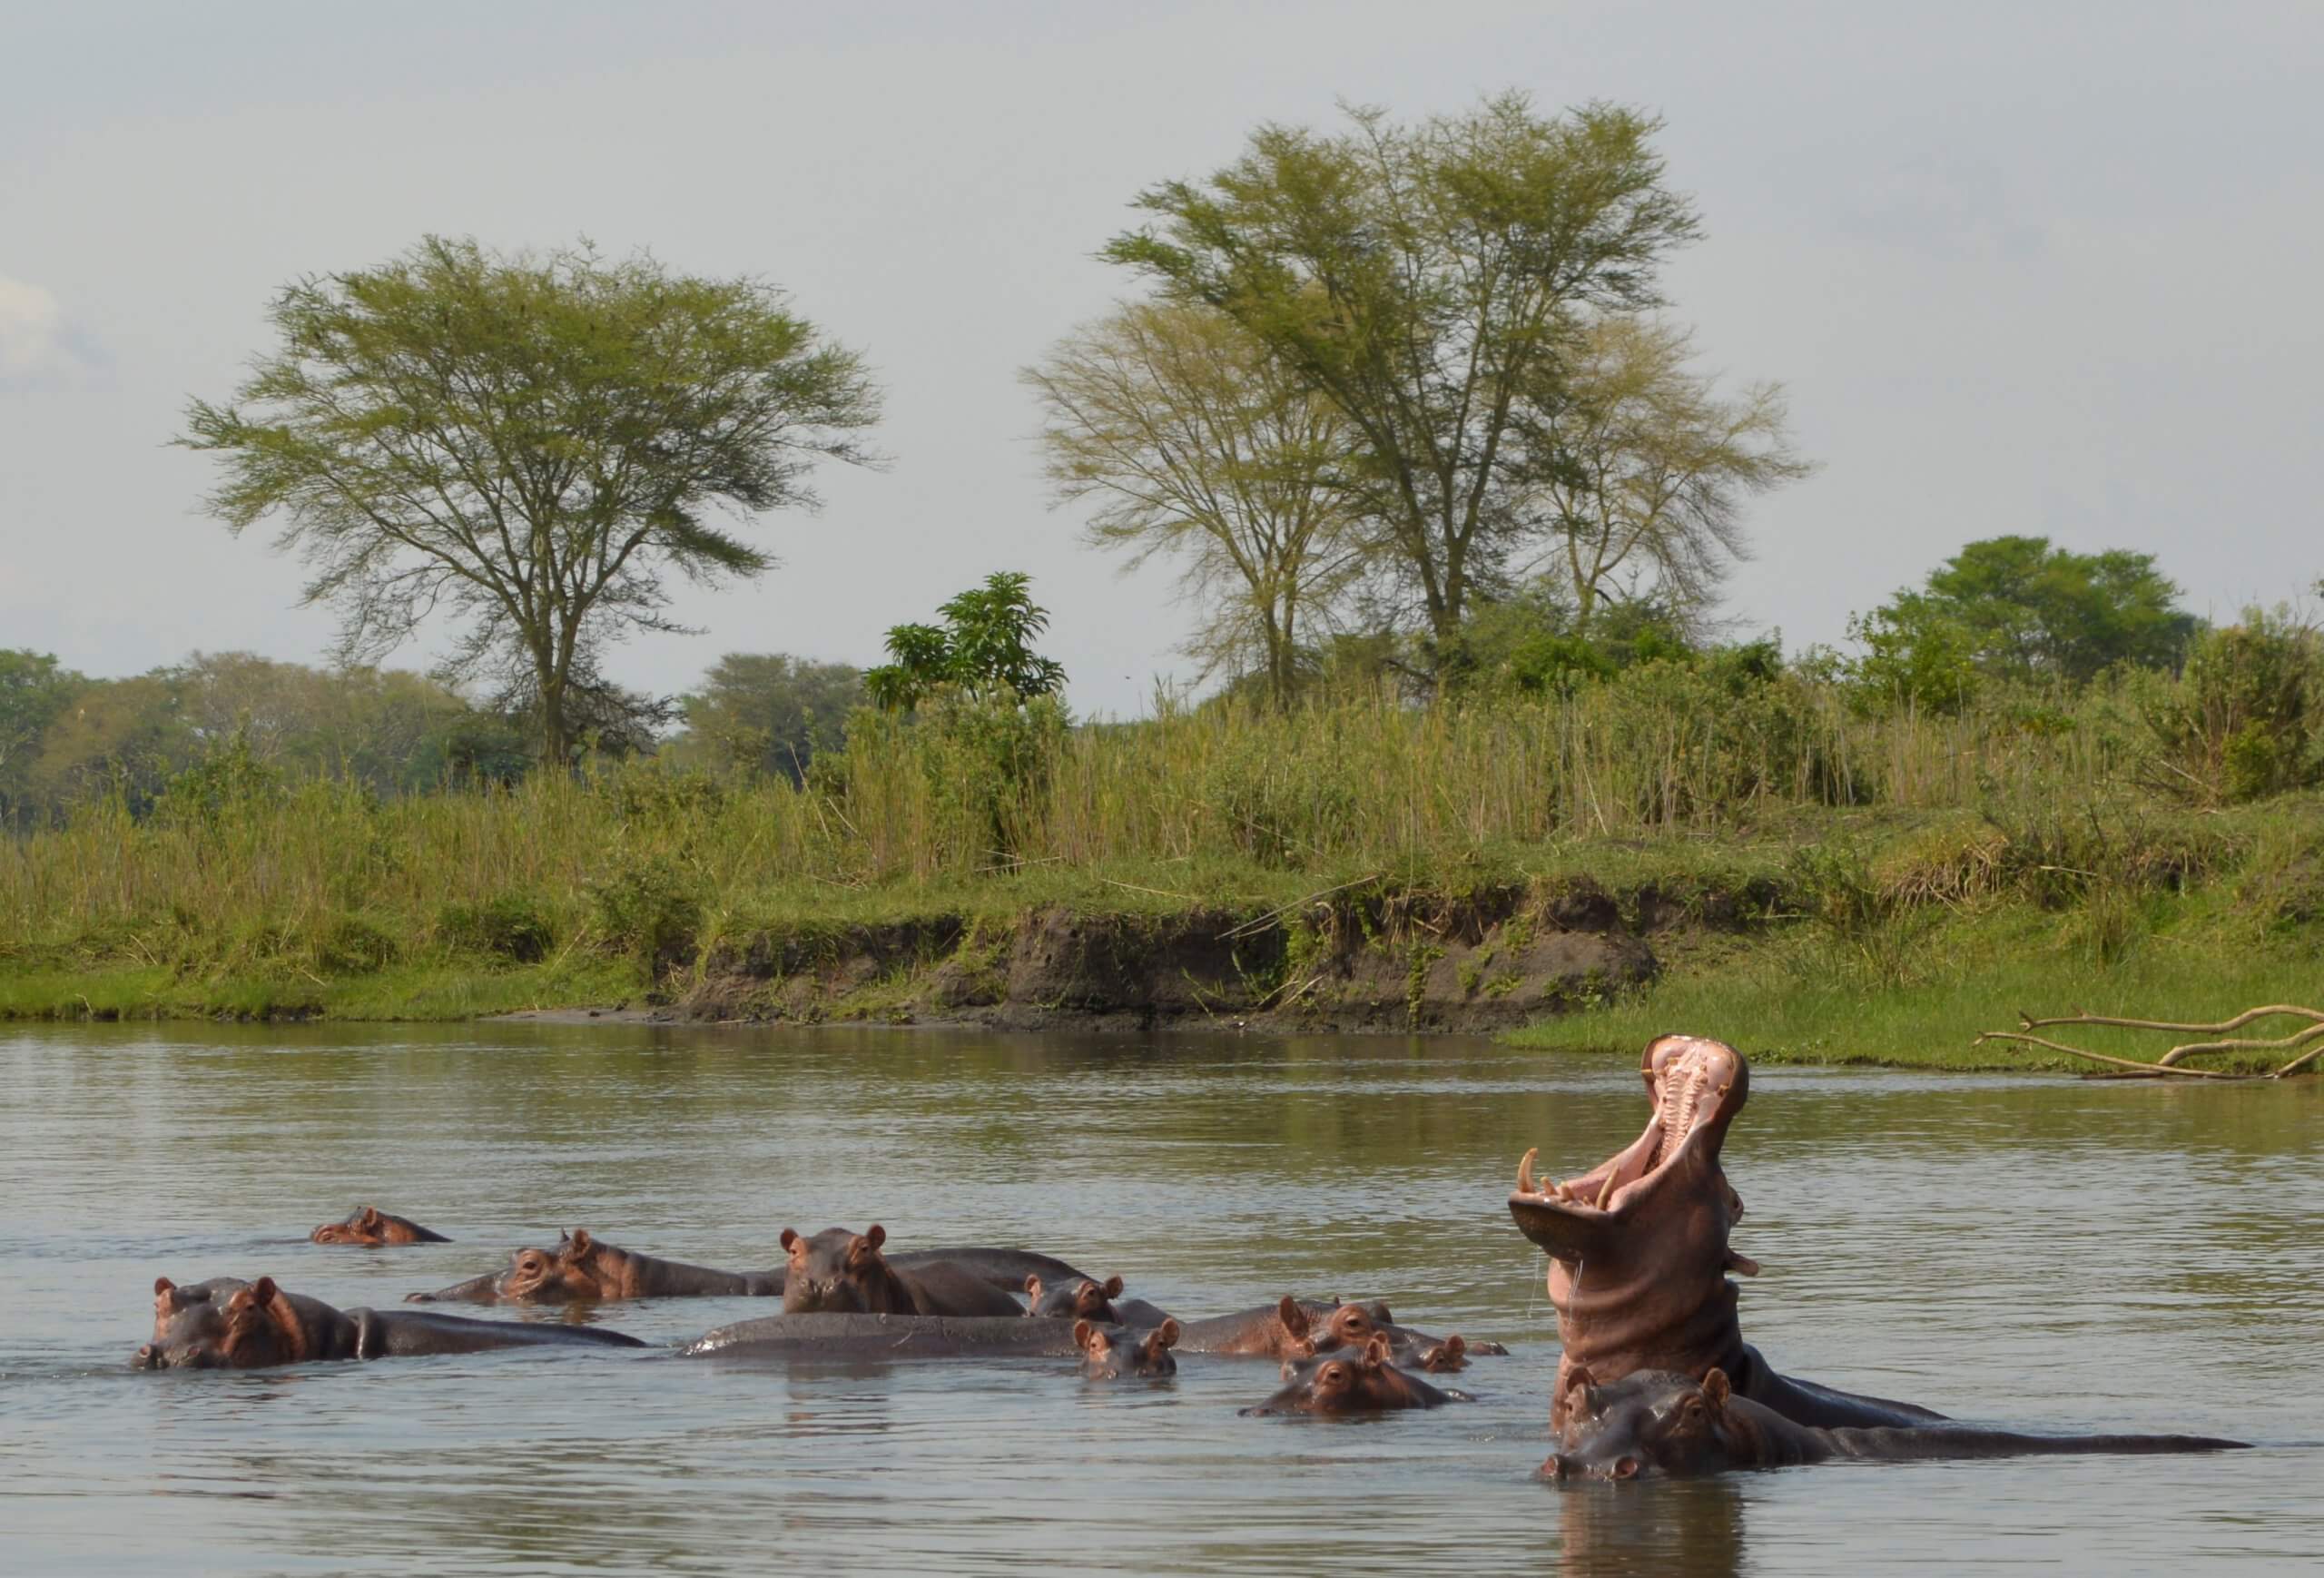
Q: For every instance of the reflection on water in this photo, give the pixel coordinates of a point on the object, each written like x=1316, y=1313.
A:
x=2038, y=1253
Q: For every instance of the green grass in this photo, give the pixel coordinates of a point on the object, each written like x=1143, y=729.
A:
x=1919, y=997
x=1820, y=883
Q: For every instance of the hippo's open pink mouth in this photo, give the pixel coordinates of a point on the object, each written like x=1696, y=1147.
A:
x=1696, y=1086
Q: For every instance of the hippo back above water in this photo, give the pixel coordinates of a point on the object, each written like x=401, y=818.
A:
x=371, y=1226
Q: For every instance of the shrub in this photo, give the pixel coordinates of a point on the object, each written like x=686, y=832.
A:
x=508, y=927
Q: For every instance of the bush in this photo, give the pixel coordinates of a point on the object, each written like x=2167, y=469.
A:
x=352, y=945
x=649, y=908
x=2241, y=723
x=508, y=927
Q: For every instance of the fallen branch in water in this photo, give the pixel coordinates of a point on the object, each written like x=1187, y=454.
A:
x=2311, y=1040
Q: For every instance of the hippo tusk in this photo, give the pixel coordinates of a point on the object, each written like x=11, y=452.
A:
x=1525, y=1172
x=1606, y=1192
x=1742, y=1265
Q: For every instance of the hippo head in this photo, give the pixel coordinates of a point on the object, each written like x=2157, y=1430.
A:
x=1697, y=1087
x=555, y=1275
x=1082, y=1300
x=1650, y=1422
x=1103, y=1358
x=364, y=1225
x=253, y=1325
x=1347, y=1381
x=839, y=1271
x=1348, y=1326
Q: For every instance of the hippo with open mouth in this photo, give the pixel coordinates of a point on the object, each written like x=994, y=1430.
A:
x=1639, y=1252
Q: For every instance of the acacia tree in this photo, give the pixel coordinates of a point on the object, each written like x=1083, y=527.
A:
x=1423, y=278
x=1194, y=443
x=1641, y=470
x=531, y=444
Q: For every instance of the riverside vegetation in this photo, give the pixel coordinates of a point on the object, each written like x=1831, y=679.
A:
x=1823, y=882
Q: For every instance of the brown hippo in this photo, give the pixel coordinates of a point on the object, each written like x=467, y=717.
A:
x=1005, y=1269
x=370, y=1226
x=1655, y=1422
x=1085, y=1298
x=1107, y=1356
x=584, y=1267
x=1352, y=1381
x=258, y=1325
x=1638, y=1254
x=839, y=1271
x=170, y=1300
x=1298, y=1328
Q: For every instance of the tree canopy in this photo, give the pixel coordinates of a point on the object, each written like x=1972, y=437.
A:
x=1424, y=279
x=2021, y=608
x=772, y=712
x=531, y=444
x=984, y=647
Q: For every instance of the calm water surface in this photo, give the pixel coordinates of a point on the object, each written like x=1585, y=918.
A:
x=2045, y=1254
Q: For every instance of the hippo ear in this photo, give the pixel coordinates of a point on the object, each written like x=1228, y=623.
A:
x=1032, y=1287
x=263, y=1290
x=1166, y=1336
x=790, y=1238
x=1113, y=1286
x=370, y=1218
x=1293, y=1319
x=1716, y=1388
x=875, y=1235
x=165, y=1294
x=1088, y=1339
x=578, y=1244
x=1580, y=1393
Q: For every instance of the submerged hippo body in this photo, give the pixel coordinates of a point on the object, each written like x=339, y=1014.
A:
x=1639, y=1252
x=258, y=1325
x=855, y=1335
x=370, y=1226
x=1350, y=1380
x=1653, y=1421
x=836, y=1272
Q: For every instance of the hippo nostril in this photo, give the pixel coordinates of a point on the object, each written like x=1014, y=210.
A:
x=1626, y=1468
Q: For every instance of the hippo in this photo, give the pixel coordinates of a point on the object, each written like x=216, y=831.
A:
x=1656, y=1422
x=837, y=1271
x=583, y=1266
x=1005, y=1269
x=1108, y=1356
x=1639, y=1252
x=258, y=1325
x=1278, y=1331
x=1085, y=1298
x=172, y=1299
x=1354, y=1381
x=371, y=1226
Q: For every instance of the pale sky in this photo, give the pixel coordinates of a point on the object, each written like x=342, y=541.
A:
x=2026, y=268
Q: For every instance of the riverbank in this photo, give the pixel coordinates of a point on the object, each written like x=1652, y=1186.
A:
x=1811, y=935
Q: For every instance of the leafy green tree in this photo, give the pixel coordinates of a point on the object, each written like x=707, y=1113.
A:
x=124, y=736
x=34, y=690
x=1425, y=280
x=770, y=712
x=2018, y=608
x=1193, y=442
x=532, y=444
x=2248, y=719
x=984, y=647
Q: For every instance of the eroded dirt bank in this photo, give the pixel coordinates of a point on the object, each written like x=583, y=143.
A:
x=1382, y=962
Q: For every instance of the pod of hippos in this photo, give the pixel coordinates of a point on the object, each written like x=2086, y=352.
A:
x=1654, y=1377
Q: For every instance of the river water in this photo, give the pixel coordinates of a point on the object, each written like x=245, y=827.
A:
x=2044, y=1254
